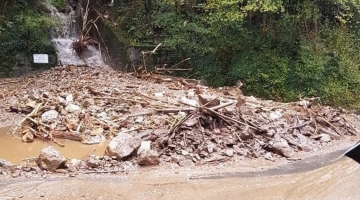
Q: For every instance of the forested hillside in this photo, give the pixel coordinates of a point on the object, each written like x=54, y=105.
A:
x=279, y=49
x=24, y=28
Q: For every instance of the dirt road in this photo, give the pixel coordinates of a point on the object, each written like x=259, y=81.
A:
x=337, y=180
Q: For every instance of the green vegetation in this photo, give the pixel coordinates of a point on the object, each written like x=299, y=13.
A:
x=59, y=4
x=280, y=49
x=23, y=28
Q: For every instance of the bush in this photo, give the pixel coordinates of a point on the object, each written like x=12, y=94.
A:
x=24, y=29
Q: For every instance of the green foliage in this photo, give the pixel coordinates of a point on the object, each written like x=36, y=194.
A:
x=59, y=4
x=24, y=29
x=280, y=49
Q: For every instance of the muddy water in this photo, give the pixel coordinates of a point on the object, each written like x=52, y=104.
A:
x=14, y=150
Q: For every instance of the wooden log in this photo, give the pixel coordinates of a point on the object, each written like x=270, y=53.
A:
x=68, y=135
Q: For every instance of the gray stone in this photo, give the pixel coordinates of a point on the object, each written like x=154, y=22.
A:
x=268, y=156
x=69, y=98
x=49, y=116
x=229, y=152
x=72, y=108
x=144, y=147
x=281, y=146
x=50, y=159
x=186, y=163
x=149, y=158
x=4, y=163
x=123, y=146
x=128, y=167
x=325, y=137
x=210, y=148
x=93, y=162
x=184, y=153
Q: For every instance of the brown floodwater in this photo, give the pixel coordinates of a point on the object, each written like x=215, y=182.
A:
x=14, y=150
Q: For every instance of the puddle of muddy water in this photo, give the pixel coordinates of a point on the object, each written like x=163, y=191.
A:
x=14, y=150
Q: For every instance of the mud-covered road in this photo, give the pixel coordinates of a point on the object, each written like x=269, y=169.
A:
x=318, y=177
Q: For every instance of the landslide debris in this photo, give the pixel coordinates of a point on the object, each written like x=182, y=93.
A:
x=179, y=120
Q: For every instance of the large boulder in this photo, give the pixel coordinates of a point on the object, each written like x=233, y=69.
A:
x=50, y=159
x=122, y=146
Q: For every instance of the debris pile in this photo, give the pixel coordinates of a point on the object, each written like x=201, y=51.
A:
x=157, y=118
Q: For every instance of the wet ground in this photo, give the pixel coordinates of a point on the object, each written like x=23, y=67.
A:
x=338, y=180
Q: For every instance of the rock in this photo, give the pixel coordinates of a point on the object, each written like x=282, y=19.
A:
x=186, y=163
x=50, y=159
x=189, y=101
x=275, y=114
x=49, y=116
x=94, y=139
x=206, y=99
x=103, y=116
x=268, y=156
x=16, y=174
x=128, y=167
x=72, y=108
x=93, y=162
x=149, y=158
x=184, y=153
x=144, y=147
x=107, y=158
x=123, y=146
x=140, y=119
x=69, y=98
x=229, y=152
x=210, y=148
x=325, y=137
x=158, y=94
x=4, y=163
x=281, y=146
x=174, y=159
x=229, y=141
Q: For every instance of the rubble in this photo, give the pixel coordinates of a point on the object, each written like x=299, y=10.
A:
x=160, y=119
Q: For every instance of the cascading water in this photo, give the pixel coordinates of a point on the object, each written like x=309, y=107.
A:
x=65, y=35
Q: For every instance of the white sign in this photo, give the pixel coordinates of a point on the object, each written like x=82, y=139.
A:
x=41, y=58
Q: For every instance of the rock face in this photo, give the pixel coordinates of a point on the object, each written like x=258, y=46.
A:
x=50, y=159
x=123, y=146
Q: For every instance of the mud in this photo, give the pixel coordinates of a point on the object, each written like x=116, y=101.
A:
x=15, y=151
x=334, y=181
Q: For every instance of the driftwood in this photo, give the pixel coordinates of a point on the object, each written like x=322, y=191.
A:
x=68, y=135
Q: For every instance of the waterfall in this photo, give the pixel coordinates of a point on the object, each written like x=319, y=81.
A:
x=65, y=35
